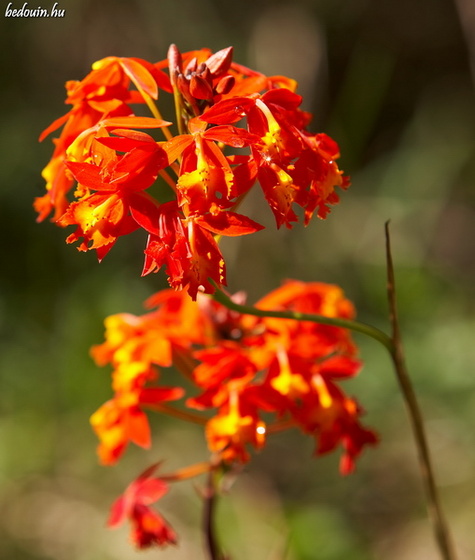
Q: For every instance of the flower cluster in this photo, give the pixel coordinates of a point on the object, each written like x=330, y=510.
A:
x=234, y=128
x=254, y=376
x=245, y=368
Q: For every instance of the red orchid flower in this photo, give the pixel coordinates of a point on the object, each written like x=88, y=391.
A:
x=186, y=247
x=105, y=211
x=148, y=527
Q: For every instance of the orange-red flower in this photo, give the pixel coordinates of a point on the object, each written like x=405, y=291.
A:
x=148, y=527
x=134, y=346
x=118, y=422
x=110, y=191
x=293, y=166
x=206, y=181
x=186, y=247
x=103, y=94
x=122, y=420
x=234, y=428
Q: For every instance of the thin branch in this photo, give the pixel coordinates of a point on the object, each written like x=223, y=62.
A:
x=188, y=472
x=441, y=530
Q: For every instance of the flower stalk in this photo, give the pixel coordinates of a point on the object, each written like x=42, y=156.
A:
x=435, y=512
x=209, y=495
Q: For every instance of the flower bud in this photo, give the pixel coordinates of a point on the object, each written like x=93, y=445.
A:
x=200, y=88
x=219, y=62
x=174, y=62
x=225, y=85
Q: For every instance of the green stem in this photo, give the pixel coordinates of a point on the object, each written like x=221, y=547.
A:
x=154, y=110
x=168, y=180
x=441, y=530
x=356, y=326
x=178, y=101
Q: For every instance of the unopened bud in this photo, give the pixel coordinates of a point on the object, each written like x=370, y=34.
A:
x=219, y=62
x=200, y=88
x=225, y=85
x=174, y=63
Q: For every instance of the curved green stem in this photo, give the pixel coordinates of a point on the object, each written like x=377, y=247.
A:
x=356, y=326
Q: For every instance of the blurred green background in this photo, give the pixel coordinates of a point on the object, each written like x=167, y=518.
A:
x=392, y=82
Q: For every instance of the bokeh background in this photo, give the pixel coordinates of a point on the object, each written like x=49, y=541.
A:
x=393, y=83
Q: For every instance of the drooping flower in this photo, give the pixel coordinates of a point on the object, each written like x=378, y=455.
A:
x=122, y=419
x=187, y=248
x=148, y=526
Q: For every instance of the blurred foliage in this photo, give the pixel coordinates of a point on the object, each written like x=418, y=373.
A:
x=391, y=82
